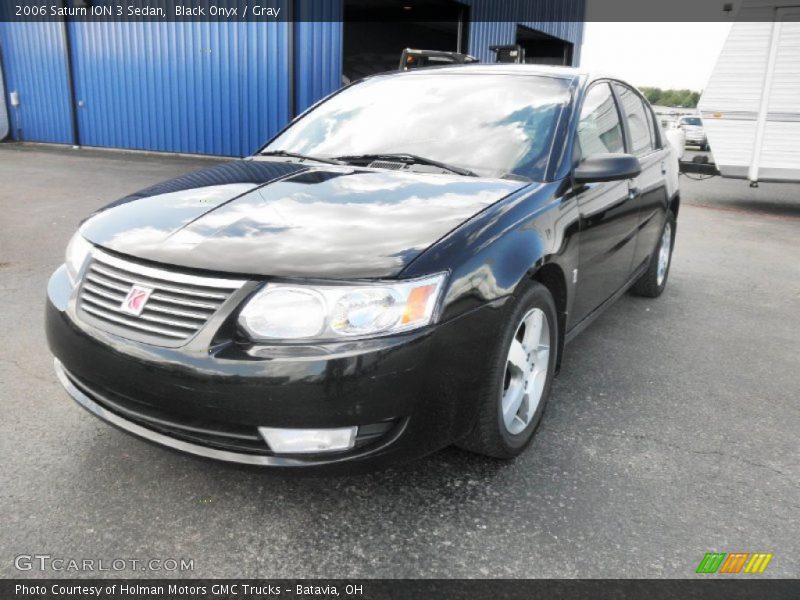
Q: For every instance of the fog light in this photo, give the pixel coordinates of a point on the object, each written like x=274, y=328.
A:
x=288, y=441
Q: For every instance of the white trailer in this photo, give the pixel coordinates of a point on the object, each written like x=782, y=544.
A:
x=751, y=105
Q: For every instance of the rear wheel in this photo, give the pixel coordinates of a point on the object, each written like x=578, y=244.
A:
x=652, y=283
x=521, y=372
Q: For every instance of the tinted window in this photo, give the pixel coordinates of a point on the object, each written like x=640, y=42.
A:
x=691, y=121
x=491, y=124
x=599, y=129
x=639, y=126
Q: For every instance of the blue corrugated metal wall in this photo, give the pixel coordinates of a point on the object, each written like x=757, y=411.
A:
x=209, y=88
x=36, y=68
x=318, y=50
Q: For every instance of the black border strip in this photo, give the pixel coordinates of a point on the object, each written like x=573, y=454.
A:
x=409, y=10
x=703, y=587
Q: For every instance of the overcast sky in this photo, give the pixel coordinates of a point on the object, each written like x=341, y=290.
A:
x=665, y=55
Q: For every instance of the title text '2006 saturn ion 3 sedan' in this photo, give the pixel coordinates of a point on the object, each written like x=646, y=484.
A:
x=396, y=271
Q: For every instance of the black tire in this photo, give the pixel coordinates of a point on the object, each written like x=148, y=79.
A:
x=489, y=435
x=648, y=285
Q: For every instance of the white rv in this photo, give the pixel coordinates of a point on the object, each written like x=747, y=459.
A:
x=751, y=105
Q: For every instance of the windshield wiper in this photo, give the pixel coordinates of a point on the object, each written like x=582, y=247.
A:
x=409, y=159
x=330, y=161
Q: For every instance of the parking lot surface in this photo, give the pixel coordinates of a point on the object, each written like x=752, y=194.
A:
x=672, y=429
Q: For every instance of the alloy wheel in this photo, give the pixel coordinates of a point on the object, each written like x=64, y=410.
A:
x=526, y=371
x=664, y=252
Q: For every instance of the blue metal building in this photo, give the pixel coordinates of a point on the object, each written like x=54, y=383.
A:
x=224, y=88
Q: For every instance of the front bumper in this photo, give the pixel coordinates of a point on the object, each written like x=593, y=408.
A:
x=409, y=395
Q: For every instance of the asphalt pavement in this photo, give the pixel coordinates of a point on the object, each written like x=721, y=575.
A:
x=672, y=429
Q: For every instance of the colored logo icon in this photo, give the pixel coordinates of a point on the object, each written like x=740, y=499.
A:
x=734, y=562
x=134, y=302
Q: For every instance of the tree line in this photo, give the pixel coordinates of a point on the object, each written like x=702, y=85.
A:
x=684, y=98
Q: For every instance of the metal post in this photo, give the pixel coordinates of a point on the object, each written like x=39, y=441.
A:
x=761, y=123
x=292, y=10
x=73, y=101
x=460, y=38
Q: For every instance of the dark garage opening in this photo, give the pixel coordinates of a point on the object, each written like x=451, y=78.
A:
x=543, y=49
x=374, y=46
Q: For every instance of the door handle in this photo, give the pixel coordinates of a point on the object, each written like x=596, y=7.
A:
x=633, y=192
x=663, y=168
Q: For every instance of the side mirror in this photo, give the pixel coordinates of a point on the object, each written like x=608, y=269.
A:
x=607, y=167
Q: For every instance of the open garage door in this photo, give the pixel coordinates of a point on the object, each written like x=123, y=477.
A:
x=543, y=49
x=372, y=46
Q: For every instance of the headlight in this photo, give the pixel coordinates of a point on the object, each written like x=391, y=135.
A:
x=291, y=312
x=77, y=251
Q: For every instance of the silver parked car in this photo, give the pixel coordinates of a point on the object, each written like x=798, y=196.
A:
x=695, y=134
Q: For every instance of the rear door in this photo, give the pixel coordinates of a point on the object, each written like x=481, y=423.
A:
x=650, y=186
x=608, y=210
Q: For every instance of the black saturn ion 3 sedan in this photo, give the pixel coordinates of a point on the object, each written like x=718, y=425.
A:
x=398, y=270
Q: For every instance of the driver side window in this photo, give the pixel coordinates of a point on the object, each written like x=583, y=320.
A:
x=599, y=129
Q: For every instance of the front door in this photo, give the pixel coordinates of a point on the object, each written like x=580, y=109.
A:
x=608, y=210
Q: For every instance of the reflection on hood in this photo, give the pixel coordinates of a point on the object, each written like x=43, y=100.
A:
x=239, y=172
x=331, y=222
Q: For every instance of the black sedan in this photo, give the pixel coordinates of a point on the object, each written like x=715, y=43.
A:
x=398, y=270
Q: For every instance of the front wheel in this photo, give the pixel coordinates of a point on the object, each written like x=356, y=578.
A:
x=521, y=370
x=652, y=283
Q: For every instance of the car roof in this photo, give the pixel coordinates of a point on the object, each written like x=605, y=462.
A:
x=568, y=73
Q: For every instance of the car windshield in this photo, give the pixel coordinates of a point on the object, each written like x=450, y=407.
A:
x=491, y=125
x=691, y=121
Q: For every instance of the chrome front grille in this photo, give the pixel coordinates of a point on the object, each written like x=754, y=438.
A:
x=177, y=308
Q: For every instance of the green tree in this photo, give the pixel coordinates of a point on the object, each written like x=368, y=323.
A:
x=670, y=98
x=653, y=94
x=685, y=98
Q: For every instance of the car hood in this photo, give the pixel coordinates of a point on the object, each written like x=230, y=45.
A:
x=282, y=219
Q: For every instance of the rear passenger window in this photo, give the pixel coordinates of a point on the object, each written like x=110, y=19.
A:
x=599, y=129
x=638, y=119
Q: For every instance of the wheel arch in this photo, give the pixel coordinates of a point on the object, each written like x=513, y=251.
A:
x=552, y=277
x=675, y=204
